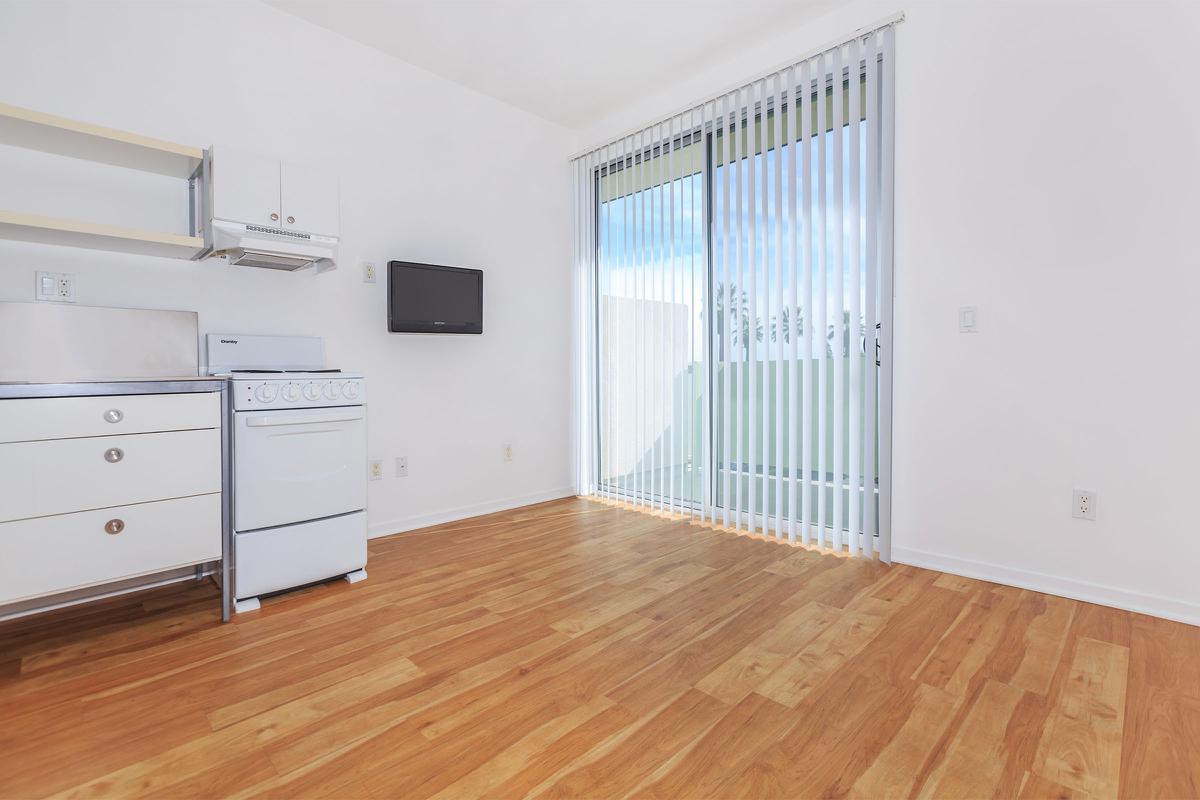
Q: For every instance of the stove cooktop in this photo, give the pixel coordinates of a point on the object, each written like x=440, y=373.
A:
x=281, y=371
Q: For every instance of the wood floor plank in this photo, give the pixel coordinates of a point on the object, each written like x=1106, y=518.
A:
x=820, y=659
x=578, y=648
x=742, y=673
x=1045, y=638
x=1035, y=787
x=619, y=769
x=893, y=773
x=973, y=762
x=1160, y=744
x=1081, y=746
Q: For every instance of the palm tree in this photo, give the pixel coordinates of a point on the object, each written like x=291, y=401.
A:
x=739, y=329
x=787, y=325
x=738, y=333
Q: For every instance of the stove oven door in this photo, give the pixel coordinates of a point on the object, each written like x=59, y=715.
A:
x=298, y=465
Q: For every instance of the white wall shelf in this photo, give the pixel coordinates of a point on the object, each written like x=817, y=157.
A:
x=34, y=130
x=23, y=127
x=96, y=236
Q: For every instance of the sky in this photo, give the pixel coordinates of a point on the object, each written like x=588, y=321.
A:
x=651, y=242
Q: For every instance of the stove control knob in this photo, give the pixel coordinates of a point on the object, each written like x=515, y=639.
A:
x=350, y=390
x=312, y=391
x=267, y=393
x=331, y=391
x=291, y=392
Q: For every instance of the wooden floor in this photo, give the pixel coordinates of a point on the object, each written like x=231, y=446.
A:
x=572, y=649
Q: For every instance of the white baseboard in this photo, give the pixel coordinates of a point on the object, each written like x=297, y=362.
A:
x=464, y=512
x=1153, y=605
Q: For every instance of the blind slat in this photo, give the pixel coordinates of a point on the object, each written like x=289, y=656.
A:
x=727, y=110
x=871, y=520
x=854, y=265
x=659, y=320
x=886, y=154
x=794, y=317
x=737, y=308
x=838, y=293
x=821, y=206
x=778, y=456
x=702, y=471
x=672, y=421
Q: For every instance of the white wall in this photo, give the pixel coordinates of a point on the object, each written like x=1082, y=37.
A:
x=429, y=171
x=1048, y=171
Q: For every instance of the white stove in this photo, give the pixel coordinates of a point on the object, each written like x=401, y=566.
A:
x=299, y=464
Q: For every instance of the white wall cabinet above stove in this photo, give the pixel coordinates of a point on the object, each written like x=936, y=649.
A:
x=258, y=211
x=253, y=188
x=309, y=198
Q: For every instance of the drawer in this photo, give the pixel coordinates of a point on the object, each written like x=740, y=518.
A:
x=31, y=419
x=67, y=475
x=292, y=555
x=56, y=554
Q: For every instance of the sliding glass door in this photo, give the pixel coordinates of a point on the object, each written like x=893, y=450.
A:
x=735, y=306
x=651, y=273
x=789, y=343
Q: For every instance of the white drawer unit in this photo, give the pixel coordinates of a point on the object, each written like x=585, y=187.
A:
x=61, y=476
x=49, y=555
x=33, y=419
x=109, y=483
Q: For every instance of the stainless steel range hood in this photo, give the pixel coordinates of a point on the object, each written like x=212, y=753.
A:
x=259, y=246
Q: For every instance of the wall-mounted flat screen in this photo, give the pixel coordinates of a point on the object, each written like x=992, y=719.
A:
x=427, y=298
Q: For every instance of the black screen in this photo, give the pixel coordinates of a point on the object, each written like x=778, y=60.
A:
x=424, y=298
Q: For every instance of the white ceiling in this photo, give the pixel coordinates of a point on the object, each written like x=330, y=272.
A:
x=569, y=61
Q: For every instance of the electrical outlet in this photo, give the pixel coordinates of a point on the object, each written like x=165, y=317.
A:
x=376, y=471
x=1083, y=504
x=369, y=273
x=508, y=452
x=402, y=467
x=56, y=287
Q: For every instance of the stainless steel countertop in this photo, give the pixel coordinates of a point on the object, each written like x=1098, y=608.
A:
x=111, y=386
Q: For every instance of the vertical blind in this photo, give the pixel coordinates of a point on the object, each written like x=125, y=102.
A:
x=733, y=306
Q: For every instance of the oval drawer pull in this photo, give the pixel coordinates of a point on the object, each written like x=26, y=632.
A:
x=114, y=526
x=114, y=415
x=113, y=454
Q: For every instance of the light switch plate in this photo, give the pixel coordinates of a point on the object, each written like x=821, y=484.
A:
x=55, y=287
x=968, y=319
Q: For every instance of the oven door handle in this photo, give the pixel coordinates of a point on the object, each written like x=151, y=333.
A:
x=270, y=420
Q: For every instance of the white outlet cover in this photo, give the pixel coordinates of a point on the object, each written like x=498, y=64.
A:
x=55, y=287
x=1083, y=504
x=402, y=467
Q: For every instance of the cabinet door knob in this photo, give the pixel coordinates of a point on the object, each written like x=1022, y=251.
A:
x=114, y=526
x=114, y=415
x=113, y=454
x=291, y=220
x=274, y=216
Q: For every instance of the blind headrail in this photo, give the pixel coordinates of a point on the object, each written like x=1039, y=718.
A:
x=891, y=19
